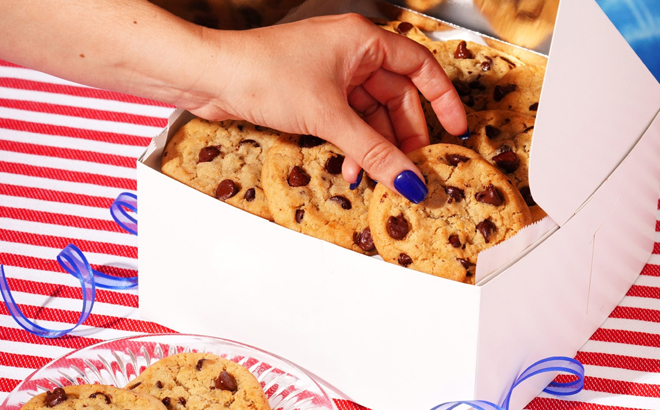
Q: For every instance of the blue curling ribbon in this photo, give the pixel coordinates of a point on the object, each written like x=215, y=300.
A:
x=119, y=214
x=73, y=261
x=550, y=364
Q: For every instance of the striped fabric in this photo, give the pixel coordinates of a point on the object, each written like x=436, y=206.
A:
x=66, y=151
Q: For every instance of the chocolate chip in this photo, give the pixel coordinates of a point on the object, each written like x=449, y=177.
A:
x=455, y=159
x=455, y=241
x=226, y=381
x=492, y=132
x=298, y=177
x=182, y=401
x=134, y=386
x=199, y=364
x=345, y=203
x=509, y=62
x=166, y=401
x=107, y=398
x=334, y=163
x=470, y=101
x=226, y=189
x=309, y=141
x=462, y=51
x=528, y=129
x=404, y=260
x=534, y=107
x=364, y=240
x=455, y=194
x=404, y=27
x=485, y=65
x=249, y=141
x=462, y=88
x=508, y=161
x=159, y=384
x=240, y=127
x=500, y=91
x=207, y=154
x=250, y=195
x=466, y=263
x=486, y=228
x=397, y=226
x=55, y=397
x=527, y=196
x=490, y=195
x=300, y=213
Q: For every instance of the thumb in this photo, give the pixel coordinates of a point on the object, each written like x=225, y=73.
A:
x=381, y=159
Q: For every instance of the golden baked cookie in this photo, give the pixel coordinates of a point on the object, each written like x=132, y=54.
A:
x=92, y=397
x=198, y=381
x=471, y=206
x=435, y=128
x=222, y=159
x=404, y=28
x=306, y=192
x=518, y=90
x=474, y=69
x=504, y=138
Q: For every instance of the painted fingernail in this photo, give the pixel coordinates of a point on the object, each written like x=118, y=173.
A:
x=465, y=136
x=355, y=184
x=410, y=186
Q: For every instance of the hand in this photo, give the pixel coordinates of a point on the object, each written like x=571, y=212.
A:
x=312, y=76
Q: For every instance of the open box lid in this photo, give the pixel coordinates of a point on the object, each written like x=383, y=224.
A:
x=598, y=98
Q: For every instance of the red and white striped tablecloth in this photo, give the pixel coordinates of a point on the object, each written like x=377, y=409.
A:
x=66, y=151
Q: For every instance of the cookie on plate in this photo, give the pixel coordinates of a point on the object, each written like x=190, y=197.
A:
x=307, y=193
x=93, y=397
x=474, y=69
x=504, y=138
x=471, y=206
x=222, y=159
x=197, y=381
x=518, y=90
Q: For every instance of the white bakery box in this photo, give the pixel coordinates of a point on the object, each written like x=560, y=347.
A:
x=390, y=338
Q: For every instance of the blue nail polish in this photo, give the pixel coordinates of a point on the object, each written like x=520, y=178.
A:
x=465, y=136
x=410, y=186
x=355, y=184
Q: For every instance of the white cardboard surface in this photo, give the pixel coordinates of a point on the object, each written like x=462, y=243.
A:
x=360, y=323
x=597, y=99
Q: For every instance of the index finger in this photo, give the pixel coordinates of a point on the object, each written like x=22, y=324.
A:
x=406, y=57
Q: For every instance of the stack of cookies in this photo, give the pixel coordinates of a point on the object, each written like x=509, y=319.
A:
x=479, y=192
x=185, y=381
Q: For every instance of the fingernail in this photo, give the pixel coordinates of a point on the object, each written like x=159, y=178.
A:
x=465, y=136
x=355, y=184
x=410, y=186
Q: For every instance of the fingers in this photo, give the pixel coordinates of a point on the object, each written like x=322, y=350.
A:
x=401, y=98
x=405, y=57
x=381, y=159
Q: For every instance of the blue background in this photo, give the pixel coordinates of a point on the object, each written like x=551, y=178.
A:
x=639, y=23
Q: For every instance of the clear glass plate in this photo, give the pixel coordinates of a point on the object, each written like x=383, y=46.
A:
x=117, y=362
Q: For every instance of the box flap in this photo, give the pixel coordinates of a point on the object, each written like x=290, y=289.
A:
x=598, y=98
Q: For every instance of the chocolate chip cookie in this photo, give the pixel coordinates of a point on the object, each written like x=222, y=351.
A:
x=471, y=206
x=196, y=381
x=474, y=69
x=404, y=28
x=518, y=90
x=307, y=193
x=222, y=159
x=93, y=397
x=504, y=138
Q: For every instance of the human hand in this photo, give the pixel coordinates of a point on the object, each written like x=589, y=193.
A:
x=312, y=76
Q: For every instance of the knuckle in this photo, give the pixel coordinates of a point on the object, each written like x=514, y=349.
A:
x=379, y=158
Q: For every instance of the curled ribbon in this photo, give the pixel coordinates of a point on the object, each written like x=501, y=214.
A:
x=73, y=261
x=550, y=364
